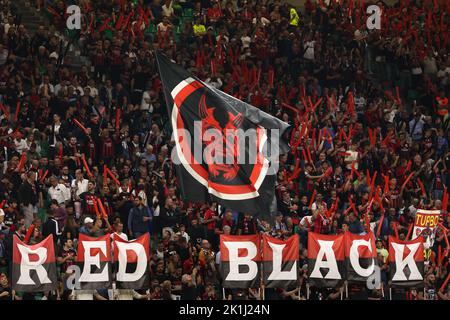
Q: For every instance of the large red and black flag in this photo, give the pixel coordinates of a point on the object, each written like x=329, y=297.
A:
x=94, y=260
x=325, y=260
x=34, y=267
x=406, y=265
x=225, y=149
x=240, y=260
x=360, y=256
x=131, y=262
x=280, y=259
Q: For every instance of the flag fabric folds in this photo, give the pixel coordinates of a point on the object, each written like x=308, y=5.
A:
x=213, y=160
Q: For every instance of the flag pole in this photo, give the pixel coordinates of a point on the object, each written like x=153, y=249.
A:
x=307, y=291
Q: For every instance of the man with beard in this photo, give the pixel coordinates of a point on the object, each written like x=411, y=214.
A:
x=169, y=215
x=138, y=219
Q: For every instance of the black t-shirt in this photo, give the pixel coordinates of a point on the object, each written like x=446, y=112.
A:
x=188, y=292
x=7, y=289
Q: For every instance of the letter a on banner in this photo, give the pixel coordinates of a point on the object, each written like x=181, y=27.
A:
x=240, y=258
x=325, y=260
x=131, y=259
x=280, y=259
x=94, y=259
x=34, y=267
x=360, y=256
x=406, y=262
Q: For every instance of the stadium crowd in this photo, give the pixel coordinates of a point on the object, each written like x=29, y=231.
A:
x=380, y=95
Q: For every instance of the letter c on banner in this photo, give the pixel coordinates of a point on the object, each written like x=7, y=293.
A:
x=354, y=258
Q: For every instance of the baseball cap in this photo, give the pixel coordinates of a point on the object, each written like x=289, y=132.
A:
x=88, y=220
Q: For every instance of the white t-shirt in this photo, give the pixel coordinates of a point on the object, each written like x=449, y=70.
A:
x=167, y=11
x=21, y=145
x=59, y=193
x=82, y=186
x=309, y=53
x=246, y=40
x=120, y=235
x=144, y=105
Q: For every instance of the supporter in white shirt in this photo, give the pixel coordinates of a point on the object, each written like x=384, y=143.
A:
x=167, y=9
x=246, y=40
x=79, y=184
x=146, y=103
x=214, y=82
x=58, y=191
x=118, y=226
x=20, y=144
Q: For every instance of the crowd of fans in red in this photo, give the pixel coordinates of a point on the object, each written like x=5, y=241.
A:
x=369, y=104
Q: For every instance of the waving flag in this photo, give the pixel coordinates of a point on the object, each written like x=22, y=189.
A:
x=225, y=150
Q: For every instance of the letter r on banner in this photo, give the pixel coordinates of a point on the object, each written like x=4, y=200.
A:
x=27, y=265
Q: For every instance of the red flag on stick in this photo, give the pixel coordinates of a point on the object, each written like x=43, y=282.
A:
x=113, y=177
x=97, y=211
x=118, y=112
x=445, y=283
x=79, y=125
x=105, y=175
x=83, y=159
x=271, y=77
x=28, y=234
x=380, y=223
x=22, y=162
x=422, y=188
x=411, y=225
x=407, y=180
x=102, y=208
x=311, y=201
x=16, y=116
x=44, y=176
